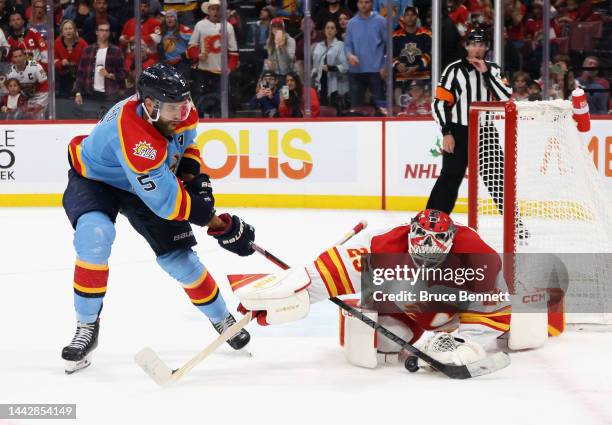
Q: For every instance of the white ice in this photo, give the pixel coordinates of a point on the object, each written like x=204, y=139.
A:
x=297, y=374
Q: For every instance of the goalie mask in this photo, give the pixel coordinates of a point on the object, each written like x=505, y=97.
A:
x=430, y=238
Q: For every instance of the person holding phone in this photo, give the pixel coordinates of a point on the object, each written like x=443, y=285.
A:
x=292, y=98
x=266, y=98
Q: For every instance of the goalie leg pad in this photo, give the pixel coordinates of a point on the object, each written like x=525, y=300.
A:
x=399, y=327
x=359, y=340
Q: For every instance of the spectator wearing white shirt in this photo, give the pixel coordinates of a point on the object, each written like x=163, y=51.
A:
x=330, y=68
x=204, y=48
x=100, y=79
x=33, y=80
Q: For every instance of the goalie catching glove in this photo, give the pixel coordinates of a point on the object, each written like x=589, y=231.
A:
x=275, y=298
x=446, y=349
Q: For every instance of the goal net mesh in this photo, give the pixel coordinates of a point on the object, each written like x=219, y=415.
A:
x=561, y=204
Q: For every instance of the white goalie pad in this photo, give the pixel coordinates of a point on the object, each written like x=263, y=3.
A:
x=528, y=330
x=359, y=340
x=281, y=295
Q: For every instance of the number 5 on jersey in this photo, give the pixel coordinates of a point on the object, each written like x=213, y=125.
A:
x=147, y=185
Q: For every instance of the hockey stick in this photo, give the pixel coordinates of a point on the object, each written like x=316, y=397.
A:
x=155, y=367
x=163, y=375
x=485, y=366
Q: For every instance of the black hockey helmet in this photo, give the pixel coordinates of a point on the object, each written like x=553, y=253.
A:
x=163, y=83
x=168, y=89
x=477, y=35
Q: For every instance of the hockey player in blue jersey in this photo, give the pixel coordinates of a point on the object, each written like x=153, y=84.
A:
x=141, y=160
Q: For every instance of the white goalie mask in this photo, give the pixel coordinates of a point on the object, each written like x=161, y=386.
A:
x=431, y=237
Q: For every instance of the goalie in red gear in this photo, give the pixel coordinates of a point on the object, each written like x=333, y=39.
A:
x=429, y=238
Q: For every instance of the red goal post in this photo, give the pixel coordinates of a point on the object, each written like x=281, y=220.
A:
x=509, y=113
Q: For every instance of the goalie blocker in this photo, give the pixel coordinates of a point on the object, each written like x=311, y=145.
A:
x=276, y=298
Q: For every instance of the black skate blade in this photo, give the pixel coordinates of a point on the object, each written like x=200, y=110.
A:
x=238, y=343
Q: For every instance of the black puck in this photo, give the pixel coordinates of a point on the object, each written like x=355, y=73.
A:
x=412, y=364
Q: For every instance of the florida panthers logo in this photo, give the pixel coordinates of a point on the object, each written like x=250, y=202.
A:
x=145, y=150
x=411, y=53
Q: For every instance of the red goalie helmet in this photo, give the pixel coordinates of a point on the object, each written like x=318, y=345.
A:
x=431, y=237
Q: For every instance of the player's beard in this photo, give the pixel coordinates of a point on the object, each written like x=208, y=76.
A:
x=166, y=127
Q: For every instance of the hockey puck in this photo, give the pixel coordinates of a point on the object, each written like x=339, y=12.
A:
x=412, y=364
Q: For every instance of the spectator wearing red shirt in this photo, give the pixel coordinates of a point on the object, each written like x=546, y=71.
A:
x=481, y=7
x=514, y=15
x=514, y=24
x=458, y=14
x=292, y=98
x=150, y=34
x=68, y=50
x=534, y=37
x=535, y=25
x=28, y=39
x=569, y=13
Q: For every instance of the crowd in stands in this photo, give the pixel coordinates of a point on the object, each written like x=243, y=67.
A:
x=95, y=43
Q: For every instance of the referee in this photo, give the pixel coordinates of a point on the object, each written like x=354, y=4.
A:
x=465, y=81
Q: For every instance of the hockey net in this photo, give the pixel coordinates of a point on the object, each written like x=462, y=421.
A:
x=534, y=188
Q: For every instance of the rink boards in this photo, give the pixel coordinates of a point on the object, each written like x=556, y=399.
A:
x=325, y=163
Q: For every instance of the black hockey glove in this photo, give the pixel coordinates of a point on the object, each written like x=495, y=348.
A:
x=200, y=186
x=237, y=235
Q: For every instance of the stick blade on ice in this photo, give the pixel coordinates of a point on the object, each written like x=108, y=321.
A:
x=153, y=366
x=489, y=364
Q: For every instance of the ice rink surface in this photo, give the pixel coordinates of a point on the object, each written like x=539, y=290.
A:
x=297, y=374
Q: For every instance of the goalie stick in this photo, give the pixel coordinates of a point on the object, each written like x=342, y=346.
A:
x=481, y=367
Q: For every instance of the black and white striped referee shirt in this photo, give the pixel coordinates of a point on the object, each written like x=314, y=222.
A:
x=460, y=85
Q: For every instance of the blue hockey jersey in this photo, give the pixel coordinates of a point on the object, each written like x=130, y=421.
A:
x=127, y=152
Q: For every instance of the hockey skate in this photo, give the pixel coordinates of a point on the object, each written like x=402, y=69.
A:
x=239, y=340
x=77, y=354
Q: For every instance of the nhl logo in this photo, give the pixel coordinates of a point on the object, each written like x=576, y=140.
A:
x=145, y=150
